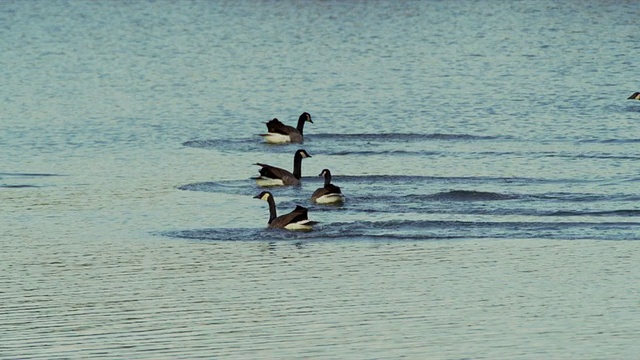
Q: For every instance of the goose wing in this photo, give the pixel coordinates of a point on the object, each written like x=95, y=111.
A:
x=272, y=172
x=276, y=126
x=318, y=193
x=332, y=189
x=297, y=215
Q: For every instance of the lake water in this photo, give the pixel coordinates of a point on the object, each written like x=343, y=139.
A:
x=487, y=150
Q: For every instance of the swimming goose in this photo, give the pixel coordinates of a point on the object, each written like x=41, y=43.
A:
x=295, y=220
x=329, y=193
x=274, y=176
x=634, y=96
x=279, y=133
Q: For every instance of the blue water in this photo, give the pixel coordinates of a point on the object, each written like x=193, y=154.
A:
x=487, y=152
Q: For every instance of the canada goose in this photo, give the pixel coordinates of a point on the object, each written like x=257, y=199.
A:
x=279, y=133
x=329, y=193
x=295, y=220
x=274, y=176
x=634, y=96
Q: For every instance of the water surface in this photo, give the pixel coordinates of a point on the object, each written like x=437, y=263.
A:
x=487, y=152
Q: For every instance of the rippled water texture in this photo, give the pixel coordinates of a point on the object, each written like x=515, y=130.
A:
x=487, y=152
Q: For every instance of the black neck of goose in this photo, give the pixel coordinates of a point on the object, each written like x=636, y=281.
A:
x=272, y=209
x=327, y=179
x=297, y=166
x=301, y=121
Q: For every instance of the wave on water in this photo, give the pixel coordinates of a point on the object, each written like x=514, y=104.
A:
x=238, y=187
x=382, y=152
x=400, y=137
x=400, y=184
x=591, y=156
x=468, y=195
x=612, y=141
x=584, y=197
x=27, y=175
x=247, y=187
x=404, y=188
x=422, y=230
x=620, y=212
x=256, y=143
x=632, y=109
x=239, y=144
x=11, y=177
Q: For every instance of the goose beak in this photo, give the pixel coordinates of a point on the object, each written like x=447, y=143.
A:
x=257, y=197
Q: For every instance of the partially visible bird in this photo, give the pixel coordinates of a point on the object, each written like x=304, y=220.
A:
x=279, y=133
x=295, y=220
x=634, y=96
x=275, y=176
x=329, y=193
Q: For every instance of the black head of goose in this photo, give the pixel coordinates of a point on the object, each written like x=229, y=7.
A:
x=275, y=176
x=329, y=193
x=279, y=133
x=295, y=220
x=634, y=96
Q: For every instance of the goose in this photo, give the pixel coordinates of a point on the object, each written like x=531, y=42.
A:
x=274, y=176
x=329, y=193
x=279, y=133
x=295, y=220
x=634, y=96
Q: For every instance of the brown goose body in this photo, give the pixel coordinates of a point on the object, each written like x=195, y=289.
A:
x=281, y=133
x=329, y=193
x=275, y=176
